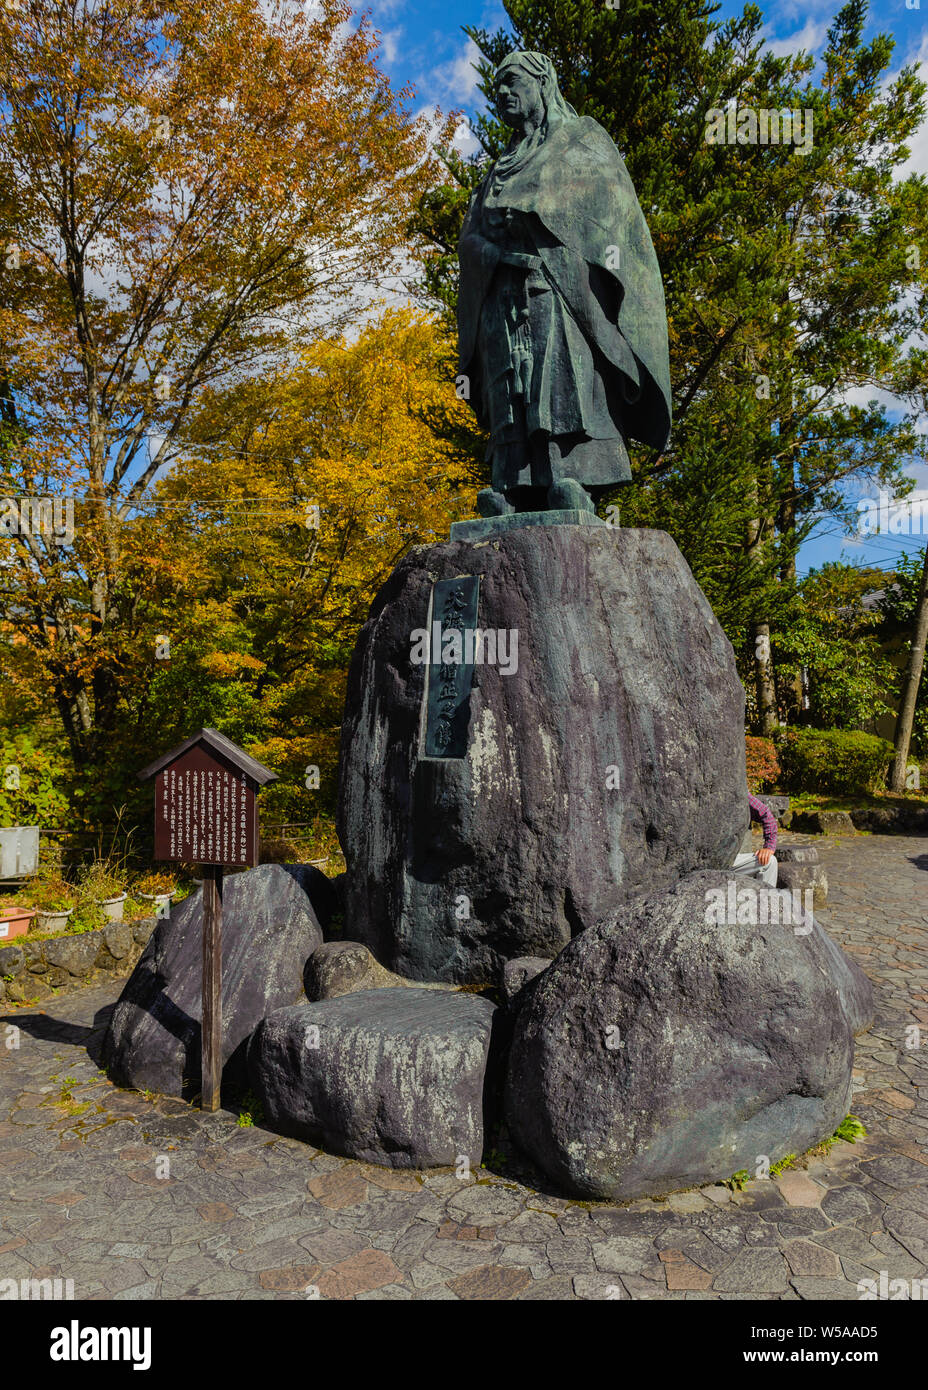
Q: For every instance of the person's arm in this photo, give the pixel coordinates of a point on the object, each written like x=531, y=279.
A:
x=768, y=820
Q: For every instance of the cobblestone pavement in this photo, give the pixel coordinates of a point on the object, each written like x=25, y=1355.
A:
x=244, y=1214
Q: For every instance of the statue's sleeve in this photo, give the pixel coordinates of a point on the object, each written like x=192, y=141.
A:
x=478, y=257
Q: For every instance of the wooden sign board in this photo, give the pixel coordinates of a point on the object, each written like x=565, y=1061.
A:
x=205, y=812
x=206, y=803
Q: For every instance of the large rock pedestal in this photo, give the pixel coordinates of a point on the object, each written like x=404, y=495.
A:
x=272, y=921
x=666, y=1048
x=391, y=1076
x=611, y=762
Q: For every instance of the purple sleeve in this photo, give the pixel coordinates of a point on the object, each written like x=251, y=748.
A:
x=767, y=819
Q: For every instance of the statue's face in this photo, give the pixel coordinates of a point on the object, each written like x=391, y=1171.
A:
x=518, y=98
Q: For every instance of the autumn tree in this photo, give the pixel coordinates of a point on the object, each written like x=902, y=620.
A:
x=297, y=495
x=189, y=193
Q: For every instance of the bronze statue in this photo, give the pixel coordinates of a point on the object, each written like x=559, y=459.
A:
x=562, y=329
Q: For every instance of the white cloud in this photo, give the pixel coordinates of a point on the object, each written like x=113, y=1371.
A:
x=385, y=9
x=390, y=44
x=456, y=81
x=809, y=37
x=465, y=141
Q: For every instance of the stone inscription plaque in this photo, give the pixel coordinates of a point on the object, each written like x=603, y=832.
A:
x=450, y=672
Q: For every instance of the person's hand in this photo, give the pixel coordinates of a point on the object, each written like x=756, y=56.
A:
x=764, y=856
x=522, y=260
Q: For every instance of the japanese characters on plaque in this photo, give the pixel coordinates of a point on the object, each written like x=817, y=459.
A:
x=450, y=672
x=205, y=812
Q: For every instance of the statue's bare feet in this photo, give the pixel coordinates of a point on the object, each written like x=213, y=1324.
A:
x=569, y=495
x=491, y=503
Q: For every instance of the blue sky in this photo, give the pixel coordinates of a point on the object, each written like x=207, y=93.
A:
x=423, y=46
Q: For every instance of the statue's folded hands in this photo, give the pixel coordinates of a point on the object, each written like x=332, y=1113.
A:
x=521, y=259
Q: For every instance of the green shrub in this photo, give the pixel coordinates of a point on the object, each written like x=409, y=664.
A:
x=837, y=761
x=32, y=784
x=762, y=763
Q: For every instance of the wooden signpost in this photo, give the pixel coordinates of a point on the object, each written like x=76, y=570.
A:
x=206, y=812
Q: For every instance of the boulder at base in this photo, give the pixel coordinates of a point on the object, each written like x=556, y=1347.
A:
x=391, y=1076
x=271, y=922
x=604, y=750
x=664, y=1048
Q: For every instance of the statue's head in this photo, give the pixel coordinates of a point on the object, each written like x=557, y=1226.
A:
x=525, y=86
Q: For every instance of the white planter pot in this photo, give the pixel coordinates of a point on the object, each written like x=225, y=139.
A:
x=54, y=921
x=113, y=907
x=160, y=901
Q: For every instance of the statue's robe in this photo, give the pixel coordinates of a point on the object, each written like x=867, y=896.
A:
x=570, y=348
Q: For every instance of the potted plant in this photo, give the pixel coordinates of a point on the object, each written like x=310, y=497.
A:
x=101, y=883
x=53, y=898
x=156, y=887
x=15, y=920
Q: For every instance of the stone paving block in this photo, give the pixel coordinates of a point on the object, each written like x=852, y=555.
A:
x=845, y=1204
x=141, y=1292
x=719, y=1194
x=557, y=1289
x=790, y=1221
x=910, y=1229
x=455, y=1256
x=897, y=1172
x=369, y=1269
x=485, y=1204
x=291, y=1278
x=392, y=1293
x=622, y=1254
x=814, y=1289
x=683, y=1274
x=805, y=1258
x=390, y=1179
x=798, y=1189
x=490, y=1282
x=425, y=1276
x=531, y=1257
x=646, y=1289
x=217, y=1211
x=269, y=1255
x=330, y=1246
x=122, y=1274
x=570, y=1256
x=754, y=1272
x=529, y=1227
x=686, y=1202
x=338, y=1189
x=706, y=1253
x=597, y=1288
